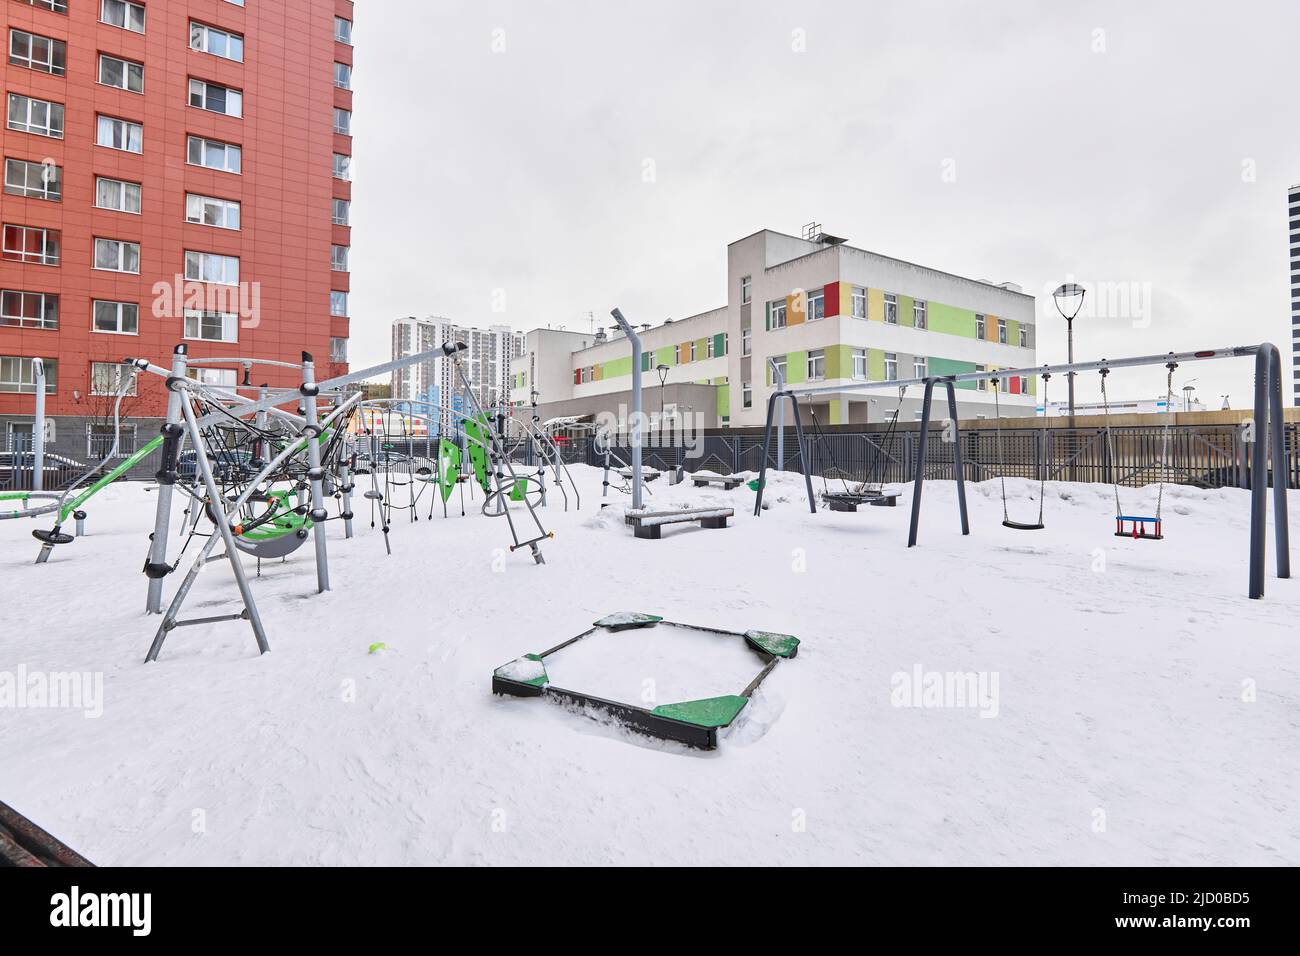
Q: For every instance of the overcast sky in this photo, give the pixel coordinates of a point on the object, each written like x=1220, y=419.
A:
x=502, y=148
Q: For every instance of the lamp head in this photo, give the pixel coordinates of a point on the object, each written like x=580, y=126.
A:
x=1069, y=300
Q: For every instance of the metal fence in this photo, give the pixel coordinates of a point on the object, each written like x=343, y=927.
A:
x=1205, y=456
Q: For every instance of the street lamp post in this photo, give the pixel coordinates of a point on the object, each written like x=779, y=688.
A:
x=1069, y=300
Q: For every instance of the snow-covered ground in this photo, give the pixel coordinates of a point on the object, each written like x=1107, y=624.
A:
x=1134, y=706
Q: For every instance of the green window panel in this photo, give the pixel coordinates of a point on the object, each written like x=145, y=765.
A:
x=666, y=355
x=796, y=368
x=839, y=361
x=724, y=400
x=876, y=365
x=647, y=361
x=720, y=345
x=951, y=320
x=941, y=366
x=906, y=311
x=617, y=368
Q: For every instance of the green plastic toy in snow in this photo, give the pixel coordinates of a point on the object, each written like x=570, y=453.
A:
x=476, y=430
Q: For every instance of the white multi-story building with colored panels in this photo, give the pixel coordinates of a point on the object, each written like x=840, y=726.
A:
x=827, y=313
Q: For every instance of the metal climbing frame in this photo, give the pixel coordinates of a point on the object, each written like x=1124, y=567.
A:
x=1268, y=420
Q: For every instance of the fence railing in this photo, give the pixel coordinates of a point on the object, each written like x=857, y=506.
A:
x=1206, y=456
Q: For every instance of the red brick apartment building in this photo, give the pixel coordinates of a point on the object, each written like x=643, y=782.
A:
x=174, y=171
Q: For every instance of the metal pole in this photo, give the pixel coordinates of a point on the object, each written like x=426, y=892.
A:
x=1069, y=325
x=1259, y=477
x=166, y=476
x=956, y=457
x=38, y=428
x=767, y=447
x=636, y=406
x=803, y=456
x=1277, y=442
x=779, y=376
x=315, y=474
x=919, y=481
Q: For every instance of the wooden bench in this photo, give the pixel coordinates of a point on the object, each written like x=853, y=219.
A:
x=648, y=524
x=728, y=482
x=851, y=502
x=647, y=474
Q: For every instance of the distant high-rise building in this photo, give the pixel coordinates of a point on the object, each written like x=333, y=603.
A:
x=486, y=360
x=1293, y=227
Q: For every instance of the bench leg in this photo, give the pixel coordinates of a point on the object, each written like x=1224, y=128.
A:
x=650, y=531
x=720, y=522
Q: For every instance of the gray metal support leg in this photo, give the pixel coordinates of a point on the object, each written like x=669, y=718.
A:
x=803, y=456
x=345, y=478
x=1259, y=477
x=166, y=481
x=1277, y=442
x=956, y=458
x=315, y=475
x=919, y=481
x=767, y=447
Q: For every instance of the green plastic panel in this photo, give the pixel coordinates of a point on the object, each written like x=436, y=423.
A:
x=710, y=712
x=625, y=619
x=778, y=645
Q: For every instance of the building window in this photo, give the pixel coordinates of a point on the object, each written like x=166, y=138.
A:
x=101, y=437
x=209, y=211
x=206, y=39
x=1024, y=385
x=119, y=134
x=117, y=195
x=726, y=342
x=919, y=366
x=226, y=379
x=860, y=364
x=891, y=308
x=29, y=310
x=338, y=349
x=34, y=180
x=214, y=155
x=920, y=315
x=692, y=351
x=116, y=318
x=343, y=76
x=746, y=289
x=1024, y=337
x=35, y=52
x=816, y=365
x=30, y=115
x=858, y=304
x=215, y=98
x=339, y=258
x=891, y=366
x=210, y=267
x=342, y=212
x=18, y=374
x=122, y=74
x=708, y=347
x=777, y=310
x=982, y=384
x=1002, y=331
x=338, y=302
x=107, y=378
x=115, y=255
x=677, y=355
x=343, y=30
x=746, y=341
x=31, y=244
x=979, y=326
x=343, y=121
x=342, y=166
x=58, y=6
x=211, y=326
x=746, y=395
x=778, y=369
x=120, y=13
x=816, y=305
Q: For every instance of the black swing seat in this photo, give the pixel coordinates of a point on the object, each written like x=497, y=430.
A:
x=1023, y=526
x=53, y=537
x=851, y=500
